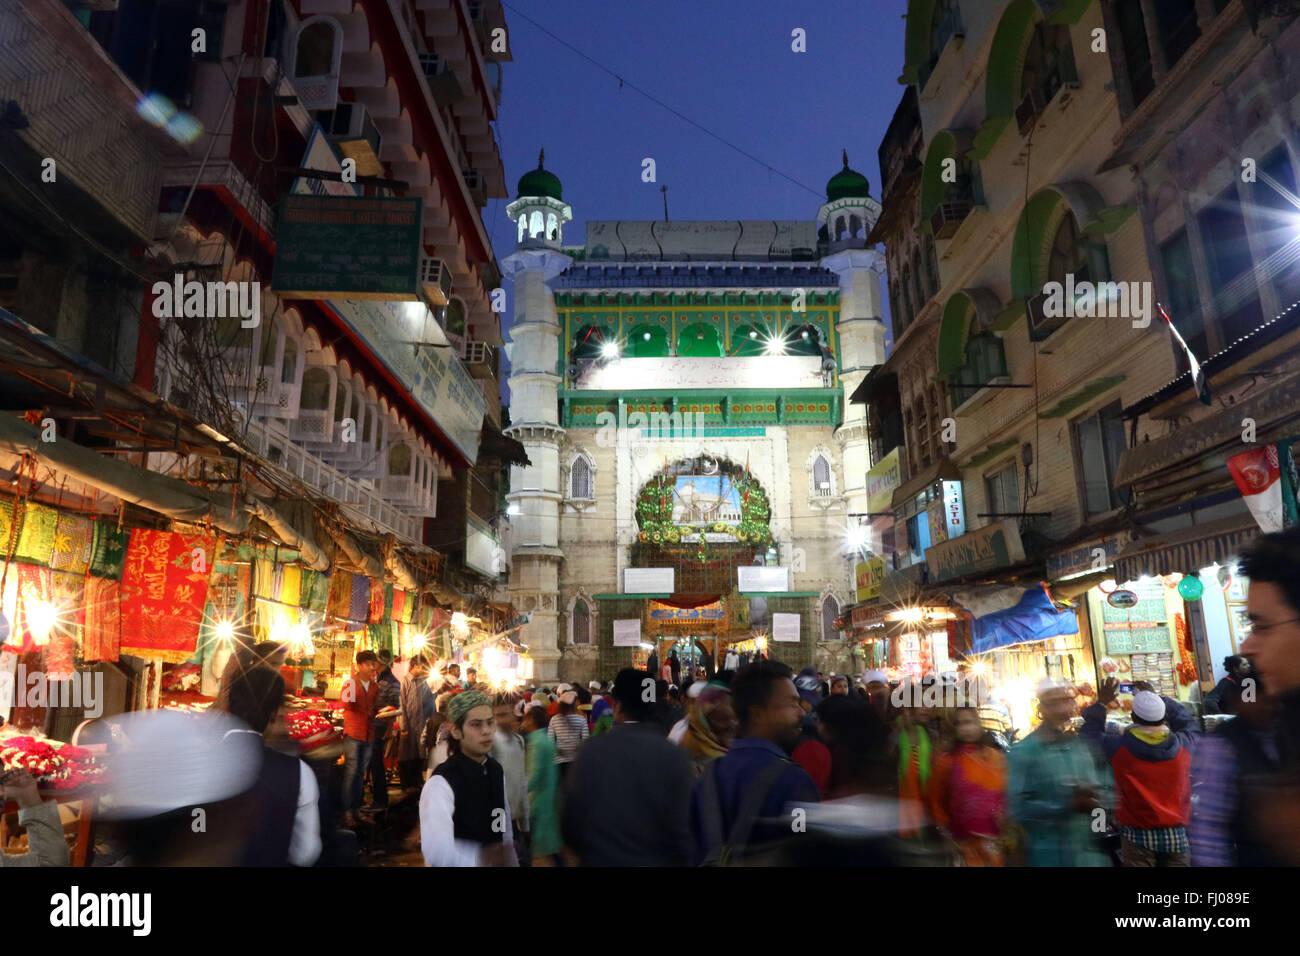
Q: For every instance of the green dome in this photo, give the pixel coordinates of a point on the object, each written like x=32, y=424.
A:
x=539, y=182
x=847, y=183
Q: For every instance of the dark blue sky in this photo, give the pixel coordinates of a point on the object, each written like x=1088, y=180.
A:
x=726, y=65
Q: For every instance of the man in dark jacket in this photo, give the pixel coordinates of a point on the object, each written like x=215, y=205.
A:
x=1221, y=700
x=1151, y=762
x=390, y=696
x=627, y=795
x=744, y=800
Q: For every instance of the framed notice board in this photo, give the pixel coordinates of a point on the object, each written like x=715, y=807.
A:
x=1139, y=629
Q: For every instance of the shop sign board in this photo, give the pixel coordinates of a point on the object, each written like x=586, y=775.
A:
x=1086, y=557
x=666, y=614
x=1121, y=599
x=785, y=628
x=348, y=247
x=995, y=546
x=870, y=574
x=648, y=581
x=868, y=616
x=1140, y=623
x=627, y=633
x=882, y=479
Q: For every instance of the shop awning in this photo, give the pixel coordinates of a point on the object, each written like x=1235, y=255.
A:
x=1186, y=550
x=1034, y=618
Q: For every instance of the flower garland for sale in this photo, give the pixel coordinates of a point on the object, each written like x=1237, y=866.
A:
x=60, y=769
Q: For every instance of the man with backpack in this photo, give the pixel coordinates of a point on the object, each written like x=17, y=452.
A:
x=744, y=800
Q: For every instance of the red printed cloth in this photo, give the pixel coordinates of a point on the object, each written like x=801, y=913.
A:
x=164, y=590
x=102, y=620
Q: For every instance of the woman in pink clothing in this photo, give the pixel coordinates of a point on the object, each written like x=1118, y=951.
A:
x=968, y=792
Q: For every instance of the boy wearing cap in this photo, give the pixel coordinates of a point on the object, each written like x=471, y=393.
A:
x=1151, y=762
x=464, y=813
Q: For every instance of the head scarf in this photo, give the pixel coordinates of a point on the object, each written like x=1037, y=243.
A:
x=464, y=702
x=700, y=740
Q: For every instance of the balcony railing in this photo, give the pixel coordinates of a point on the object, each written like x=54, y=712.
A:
x=329, y=481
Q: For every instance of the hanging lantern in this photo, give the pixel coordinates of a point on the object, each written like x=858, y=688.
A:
x=1191, y=588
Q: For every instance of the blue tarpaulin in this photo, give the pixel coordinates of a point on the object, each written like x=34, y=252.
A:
x=1034, y=618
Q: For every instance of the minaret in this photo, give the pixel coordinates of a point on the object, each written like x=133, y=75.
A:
x=534, y=353
x=849, y=214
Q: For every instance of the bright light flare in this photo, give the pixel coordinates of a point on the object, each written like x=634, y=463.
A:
x=775, y=345
x=42, y=618
x=609, y=350
x=225, y=629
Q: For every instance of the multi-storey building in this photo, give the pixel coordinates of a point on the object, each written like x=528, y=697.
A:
x=146, y=146
x=680, y=388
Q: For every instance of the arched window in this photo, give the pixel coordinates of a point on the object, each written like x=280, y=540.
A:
x=316, y=43
x=581, y=623
x=289, y=364
x=855, y=227
x=985, y=361
x=805, y=340
x=748, y=340
x=399, y=459
x=830, y=611
x=839, y=227
x=1049, y=63
x=931, y=265
x=314, y=55
x=523, y=228
x=580, y=479
x=535, y=224
x=551, y=226
x=647, y=341
x=821, y=475
x=316, y=383
x=1069, y=252
x=699, y=340
x=588, y=343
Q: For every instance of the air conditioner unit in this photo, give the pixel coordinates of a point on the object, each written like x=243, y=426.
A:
x=436, y=279
x=1030, y=108
x=1040, y=324
x=473, y=179
x=350, y=127
x=441, y=79
x=478, y=353
x=948, y=217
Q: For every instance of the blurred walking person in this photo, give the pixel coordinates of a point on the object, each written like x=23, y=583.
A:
x=417, y=702
x=1054, y=785
x=508, y=749
x=360, y=691
x=968, y=795
x=543, y=783
x=568, y=729
x=711, y=725
x=626, y=798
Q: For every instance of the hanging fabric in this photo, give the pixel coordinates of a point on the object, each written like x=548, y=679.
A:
x=108, y=553
x=164, y=592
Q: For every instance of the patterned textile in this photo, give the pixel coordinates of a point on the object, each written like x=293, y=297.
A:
x=108, y=554
x=1162, y=840
x=227, y=600
x=381, y=636
x=340, y=597
x=73, y=544
x=7, y=527
x=377, y=602
x=55, y=539
x=314, y=591
x=399, y=612
x=291, y=585
x=163, y=595
x=102, y=620
x=358, y=612
x=264, y=582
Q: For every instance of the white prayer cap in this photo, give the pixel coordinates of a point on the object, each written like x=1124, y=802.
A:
x=696, y=689
x=1049, y=684
x=873, y=677
x=1148, y=706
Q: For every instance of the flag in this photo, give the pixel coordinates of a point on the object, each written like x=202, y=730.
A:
x=1199, y=381
x=746, y=501
x=1258, y=474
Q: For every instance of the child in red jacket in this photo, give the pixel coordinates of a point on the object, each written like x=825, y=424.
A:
x=1151, y=762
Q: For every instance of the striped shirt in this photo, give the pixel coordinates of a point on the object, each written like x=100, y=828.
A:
x=568, y=731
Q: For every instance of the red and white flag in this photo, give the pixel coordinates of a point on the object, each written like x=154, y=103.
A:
x=1259, y=479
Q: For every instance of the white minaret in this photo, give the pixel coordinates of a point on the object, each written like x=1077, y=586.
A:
x=849, y=214
x=534, y=353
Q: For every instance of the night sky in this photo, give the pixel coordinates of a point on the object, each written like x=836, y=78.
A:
x=729, y=67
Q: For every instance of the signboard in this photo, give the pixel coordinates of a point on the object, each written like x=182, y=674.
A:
x=704, y=240
x=348, y=247
x=481, y=550
x=434, y=377
x=882, y=479
x=868, y=616
x=937, y=520
x=995, y=546
x=648, y=581
x=1084, y=558
x=627, y=633
x=869, y=575
x=742, y=371
x=754, y=578
x=1121, y=599
x=954, y=510
x=785, y=628
x=1141, y=627
x=710, y=614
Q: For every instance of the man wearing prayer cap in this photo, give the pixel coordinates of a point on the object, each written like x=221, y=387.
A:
x=464, y=814
x=1054, y=785
x=1152, y=763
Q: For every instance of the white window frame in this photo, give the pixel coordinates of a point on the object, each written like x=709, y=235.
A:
x=591, y=477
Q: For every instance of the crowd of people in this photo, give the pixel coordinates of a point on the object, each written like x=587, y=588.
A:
x=756, y=766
